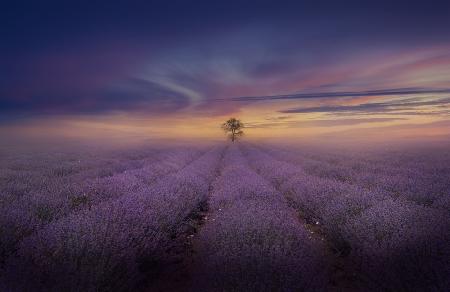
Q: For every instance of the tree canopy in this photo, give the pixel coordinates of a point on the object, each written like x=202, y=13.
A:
x=234, y=127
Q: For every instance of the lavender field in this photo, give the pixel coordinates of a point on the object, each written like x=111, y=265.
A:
x=226, y=217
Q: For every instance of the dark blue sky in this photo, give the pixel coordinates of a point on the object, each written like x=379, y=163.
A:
x=35, y=25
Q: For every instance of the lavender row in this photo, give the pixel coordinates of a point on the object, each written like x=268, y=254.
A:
x=417, y=175
x=100, y=189
x=24, y=175
x=396, y=245
x=322, y=201
x=30, y=212
x=103, y=248
x=252, y=241
x=401, y=246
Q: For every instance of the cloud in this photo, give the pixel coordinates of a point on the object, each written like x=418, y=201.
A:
x=133, y=94
x=350, y=122
x=382, y=92
x=279, y=118
x=321, y=122
x=438, y=129
x=372, y=108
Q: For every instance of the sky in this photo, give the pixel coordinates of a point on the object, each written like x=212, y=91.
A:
x=178, y=69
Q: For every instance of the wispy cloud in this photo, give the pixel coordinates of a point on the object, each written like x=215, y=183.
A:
x=320, y=122
x=375, y=107
x=132, y=94
x=336, y=94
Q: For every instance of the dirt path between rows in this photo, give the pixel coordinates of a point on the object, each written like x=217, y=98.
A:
x=342, y=275
x=175, y=273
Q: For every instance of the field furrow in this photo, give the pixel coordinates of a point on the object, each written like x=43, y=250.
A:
x=232, y=217
x=420, y=180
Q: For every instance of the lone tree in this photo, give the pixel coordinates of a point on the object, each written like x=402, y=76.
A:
x=234, y=127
